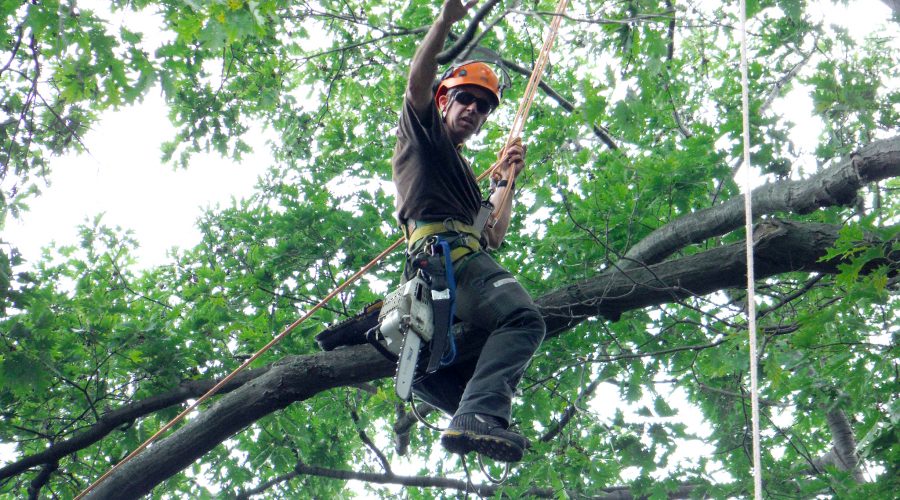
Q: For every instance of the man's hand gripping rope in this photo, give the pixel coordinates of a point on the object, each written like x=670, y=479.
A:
x=510, y=163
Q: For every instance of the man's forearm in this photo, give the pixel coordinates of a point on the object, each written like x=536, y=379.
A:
x=424, y=64
x=494, y=235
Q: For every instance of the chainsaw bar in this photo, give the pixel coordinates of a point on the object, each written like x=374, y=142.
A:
x=406, y=365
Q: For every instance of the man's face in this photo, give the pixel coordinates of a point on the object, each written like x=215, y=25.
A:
x=463, y=120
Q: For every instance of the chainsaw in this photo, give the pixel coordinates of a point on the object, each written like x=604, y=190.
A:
x=416, y=315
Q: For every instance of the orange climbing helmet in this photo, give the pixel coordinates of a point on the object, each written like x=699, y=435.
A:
x=471, y=73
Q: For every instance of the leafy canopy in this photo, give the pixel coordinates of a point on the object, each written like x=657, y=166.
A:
x=639, y=126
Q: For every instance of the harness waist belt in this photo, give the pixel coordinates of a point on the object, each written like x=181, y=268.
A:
x=416, y=230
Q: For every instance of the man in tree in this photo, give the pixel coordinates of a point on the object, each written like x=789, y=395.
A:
x=437, y=194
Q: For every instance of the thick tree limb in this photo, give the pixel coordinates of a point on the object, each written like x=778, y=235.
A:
x=836, y=185
x=294, y=378
x=781, y=247
x=122, y=416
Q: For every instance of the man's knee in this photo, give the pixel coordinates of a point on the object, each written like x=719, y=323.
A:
x=529, y=321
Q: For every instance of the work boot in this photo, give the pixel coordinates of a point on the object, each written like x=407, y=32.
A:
x=485, y=435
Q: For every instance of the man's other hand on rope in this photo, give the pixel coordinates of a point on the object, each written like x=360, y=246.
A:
x=510, y=163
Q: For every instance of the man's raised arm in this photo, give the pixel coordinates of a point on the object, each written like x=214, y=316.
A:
x=424, y=65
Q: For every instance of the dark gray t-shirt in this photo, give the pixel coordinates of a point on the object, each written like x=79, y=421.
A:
x=433, y=180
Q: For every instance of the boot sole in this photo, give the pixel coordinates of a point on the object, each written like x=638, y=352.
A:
x=461, y=443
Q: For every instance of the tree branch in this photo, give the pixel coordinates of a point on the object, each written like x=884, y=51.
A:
x=810, y=283
x=784, y=80
x=34, y=489
x=570, y=411
x=447, y=55
x=125, y=415
x=483, y=490
x=385, y=463
x=405, y=422
x=846, y=457
x=15, y=48
x=780, y=247
x=740, y=395
x=601, y=132
x=663, y=16
x=836, y=185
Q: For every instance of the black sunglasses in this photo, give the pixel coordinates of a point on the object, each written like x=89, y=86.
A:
x=483, y=106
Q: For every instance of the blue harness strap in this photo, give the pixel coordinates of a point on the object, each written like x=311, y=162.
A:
x=439, y=265
x=450, y=353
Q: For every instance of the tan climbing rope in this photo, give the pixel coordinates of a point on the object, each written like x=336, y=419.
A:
x=525, y=107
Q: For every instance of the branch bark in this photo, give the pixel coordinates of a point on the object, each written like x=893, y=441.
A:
x=125, y=415
x=780, y=247
x=843, y=455
x=836, y=185
x=294, y=378
x=34, y=489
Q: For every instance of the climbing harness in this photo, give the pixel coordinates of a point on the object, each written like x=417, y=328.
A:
x=518, y=124
x=751, y=287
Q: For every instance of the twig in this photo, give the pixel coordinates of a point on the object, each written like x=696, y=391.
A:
x=570, y=411
x=385, y=463
x=15, y=48
x=776, y=89
x=454, y=50
x=601, y=132
x=662, y=16
x=725, y=392
x=797, y=293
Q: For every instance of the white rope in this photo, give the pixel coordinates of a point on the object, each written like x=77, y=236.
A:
x=751, y=289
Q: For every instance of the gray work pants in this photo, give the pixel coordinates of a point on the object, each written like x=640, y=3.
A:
x=489, y=298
